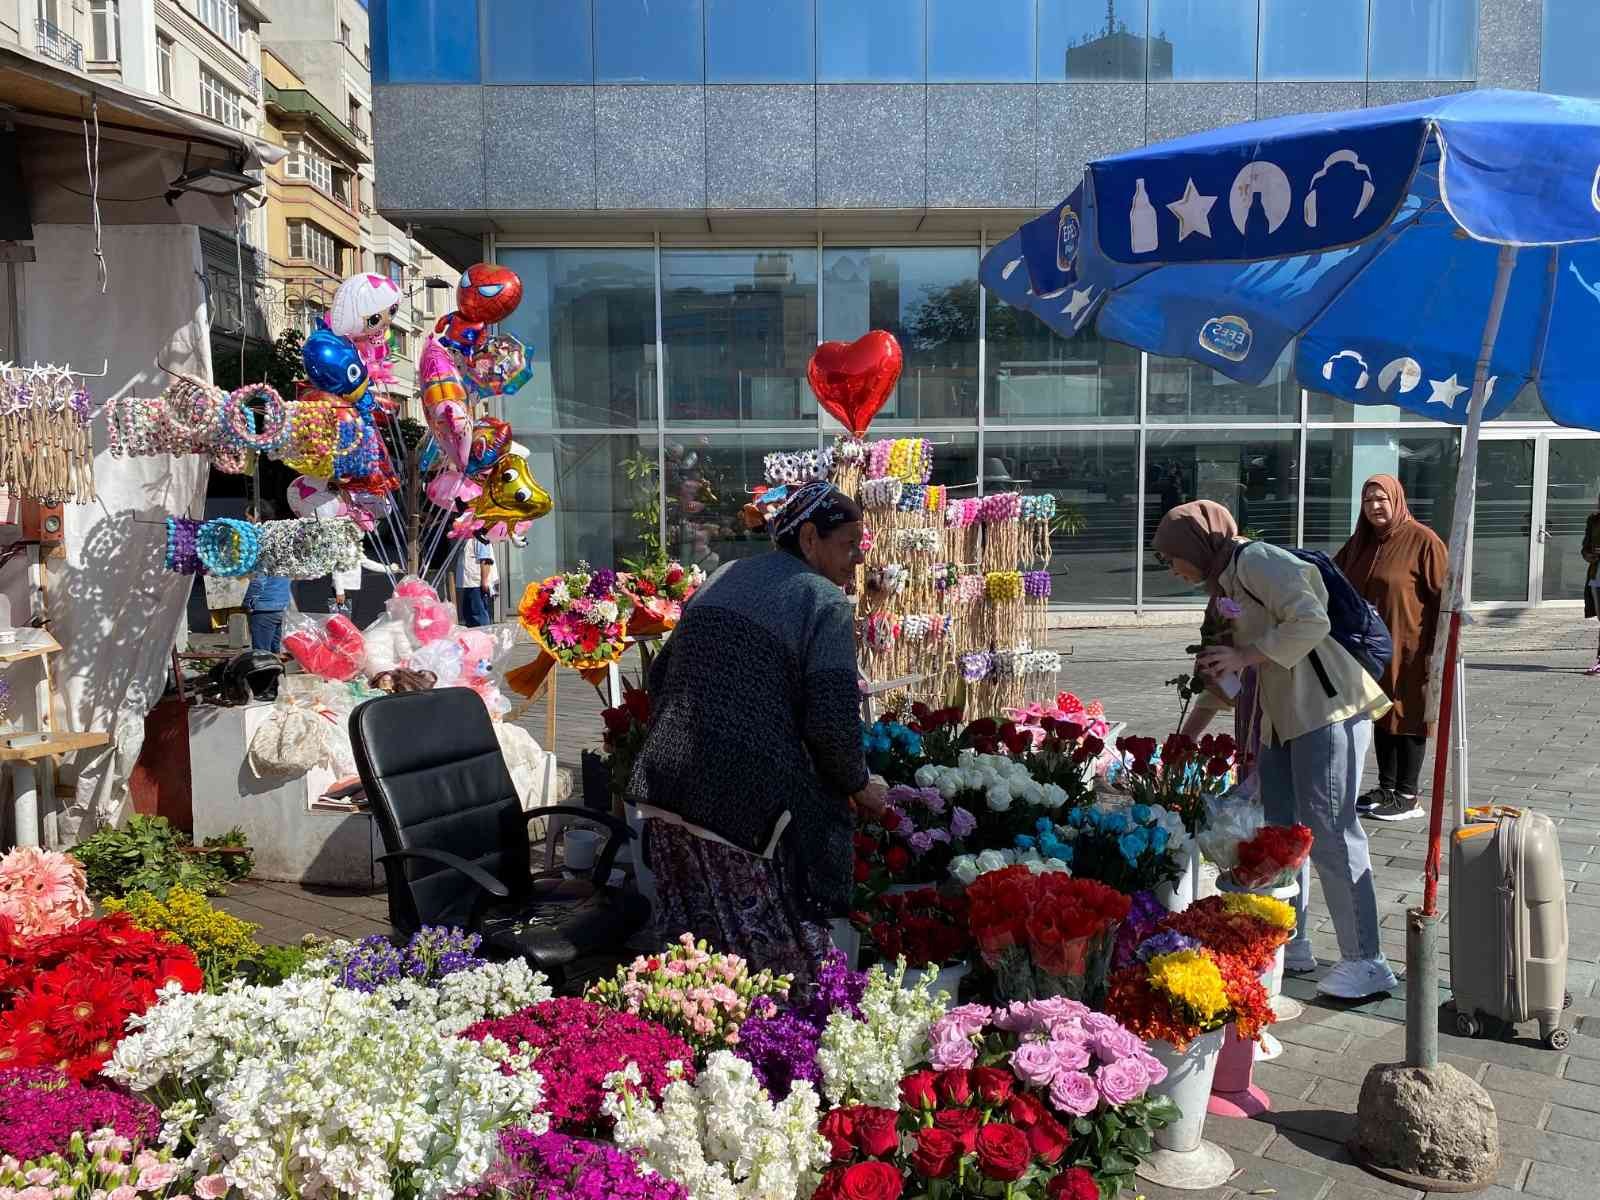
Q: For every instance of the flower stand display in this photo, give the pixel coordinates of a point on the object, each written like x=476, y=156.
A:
x=1183, y=1159
x=1233, y=1091
x=1284, y=1008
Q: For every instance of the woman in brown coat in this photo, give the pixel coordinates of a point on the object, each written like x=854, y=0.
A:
x=1398, y=564
x=1591, y=580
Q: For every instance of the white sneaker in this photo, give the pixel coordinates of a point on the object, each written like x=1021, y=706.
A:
x=1358, y=978
x=1299, y=958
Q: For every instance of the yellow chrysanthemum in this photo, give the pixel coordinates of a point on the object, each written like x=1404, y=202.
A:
x=1191, y=978
x=1263, y=908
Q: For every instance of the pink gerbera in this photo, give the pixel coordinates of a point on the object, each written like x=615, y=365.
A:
x=42, y=891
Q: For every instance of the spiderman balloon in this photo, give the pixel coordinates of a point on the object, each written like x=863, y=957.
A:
x=486, y=294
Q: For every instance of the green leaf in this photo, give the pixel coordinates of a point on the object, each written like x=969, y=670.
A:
x=1138, y=1141
x=1118, y=1163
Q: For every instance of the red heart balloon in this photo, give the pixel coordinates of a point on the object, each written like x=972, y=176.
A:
x=853, y=379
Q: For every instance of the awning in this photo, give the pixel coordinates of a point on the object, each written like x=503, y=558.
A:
x=37, y=93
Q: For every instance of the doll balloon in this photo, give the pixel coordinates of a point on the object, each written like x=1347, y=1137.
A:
x=363, y=309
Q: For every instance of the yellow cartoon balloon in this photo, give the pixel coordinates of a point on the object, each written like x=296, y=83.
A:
x=511, y=501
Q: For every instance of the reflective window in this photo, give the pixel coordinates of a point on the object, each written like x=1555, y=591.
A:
x=1571, y=33
x=649, y=41
x=1086, y=40
x=928, y=298
x=538, y=43
x=1313, y=39
x=739, y=328
x=1184, y=391
x=589, y=319
x=881, y=42
x=707, y=483
x=1252, y=474
x=1423, y=39
x=1034, y=375
x=1340, y=461
x=980, y=41
x=1502, y=520
x=424, y=41
x=607, y=505
x=1568, y=504
x=1095, y=480
x=759, y=41
x=1203, y=39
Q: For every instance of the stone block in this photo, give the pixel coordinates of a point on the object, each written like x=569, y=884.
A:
x=761, y=147
x=981, y=145
x=872, y=146
x=1436, y=1123
x=650, y=147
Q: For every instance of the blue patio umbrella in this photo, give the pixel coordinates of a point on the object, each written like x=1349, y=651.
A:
x=1437, y=255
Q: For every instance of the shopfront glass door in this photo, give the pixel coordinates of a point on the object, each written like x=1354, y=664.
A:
x=1502, y=523
x=1572, y=479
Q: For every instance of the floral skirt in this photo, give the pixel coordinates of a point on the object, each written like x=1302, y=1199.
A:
x=737, y=902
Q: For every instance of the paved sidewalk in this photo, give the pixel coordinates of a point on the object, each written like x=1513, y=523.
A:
x=1531, y=714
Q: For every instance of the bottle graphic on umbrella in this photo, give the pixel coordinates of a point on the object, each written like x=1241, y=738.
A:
x=1142, y=221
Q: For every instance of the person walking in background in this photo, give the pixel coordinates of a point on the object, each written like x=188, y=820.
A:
x=345, y=582
x=477, y=582
x=1398, y=564
x=1316, y=705
x=267, y=597
x=1591, y=583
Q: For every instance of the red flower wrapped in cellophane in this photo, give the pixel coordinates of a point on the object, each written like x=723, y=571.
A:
x=1273, y=857
x=1046, y=934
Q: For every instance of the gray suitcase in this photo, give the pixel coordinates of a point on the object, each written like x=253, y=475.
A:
x=1508, y=923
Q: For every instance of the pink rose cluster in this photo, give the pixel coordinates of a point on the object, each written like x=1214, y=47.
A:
x=1081, y=1059
x=42, y=892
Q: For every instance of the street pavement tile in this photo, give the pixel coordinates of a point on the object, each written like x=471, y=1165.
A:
x=1540, y=1087
x=1283, y=1081
x=1239, y=1136
x=1315, y=1035
x=1558, y=1183
x=1343, y=1190
x=1280, y=1180
x=1332, y=1159
x=1572, y=1121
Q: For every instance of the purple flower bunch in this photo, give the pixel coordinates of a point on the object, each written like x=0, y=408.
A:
x=433, y=952
x=1081, y=1059
x=602, y=582
x=553, y=1166
x=1167, y=942
x=913, y=807
x=1146, y=913
x=781, y=1044
x=44, y=1108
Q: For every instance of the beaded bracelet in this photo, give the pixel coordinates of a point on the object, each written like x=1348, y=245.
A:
x=240, y=422
x=1036, y=584
x=313, y=429
x=193, y=415
x=363, y=460
x=227, y=547
x=181, y=556
x=309, y=547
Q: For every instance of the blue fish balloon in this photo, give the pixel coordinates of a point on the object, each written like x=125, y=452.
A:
x=333, y=364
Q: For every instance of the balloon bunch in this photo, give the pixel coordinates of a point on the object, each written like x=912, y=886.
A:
x=418, y=632
x=482, y=474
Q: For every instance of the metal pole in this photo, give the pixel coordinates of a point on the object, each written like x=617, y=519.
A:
x=1422, y=924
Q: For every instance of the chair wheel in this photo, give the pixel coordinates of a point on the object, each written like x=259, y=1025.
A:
x=1467, y=1025
x=1558, y=1039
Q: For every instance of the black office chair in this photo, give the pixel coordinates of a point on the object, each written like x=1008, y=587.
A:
x=457, y=842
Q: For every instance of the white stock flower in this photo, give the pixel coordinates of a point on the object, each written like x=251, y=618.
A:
x=995, y=860
x=863, y=1061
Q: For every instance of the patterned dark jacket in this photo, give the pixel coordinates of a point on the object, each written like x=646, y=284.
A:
x=756, y=717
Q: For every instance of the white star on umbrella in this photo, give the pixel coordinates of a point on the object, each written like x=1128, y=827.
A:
x=1079, y=302
x=1193, y=212
x=1445, y=391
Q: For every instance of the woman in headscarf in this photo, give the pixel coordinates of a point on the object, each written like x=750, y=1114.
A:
x=1315, y=709
x=753, y=760
x=1398, y=564
x=1591, y=581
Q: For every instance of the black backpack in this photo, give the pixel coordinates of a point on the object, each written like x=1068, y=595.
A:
x=1355, y=623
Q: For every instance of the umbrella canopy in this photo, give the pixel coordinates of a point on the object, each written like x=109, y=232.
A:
x=1369, y=239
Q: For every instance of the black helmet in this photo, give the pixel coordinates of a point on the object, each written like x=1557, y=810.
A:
x=253, y=675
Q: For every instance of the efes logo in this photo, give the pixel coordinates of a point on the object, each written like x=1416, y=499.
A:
x=1226, y=337
x=1067, y=233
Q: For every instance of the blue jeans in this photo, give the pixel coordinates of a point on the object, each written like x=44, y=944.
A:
x=1314, y=780
x=474, y=605
x=266, y=631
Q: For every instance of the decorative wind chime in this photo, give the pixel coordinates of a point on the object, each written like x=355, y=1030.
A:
x=954, y=592
x=46, y=452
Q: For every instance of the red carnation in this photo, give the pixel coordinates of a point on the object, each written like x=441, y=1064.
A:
x=1003, y=1152
x=936, y=1155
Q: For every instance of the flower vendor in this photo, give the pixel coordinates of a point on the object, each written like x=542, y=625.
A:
x=1317, y=704
x=754, y=753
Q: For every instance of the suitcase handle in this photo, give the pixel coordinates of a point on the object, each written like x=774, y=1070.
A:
x=1492, y=812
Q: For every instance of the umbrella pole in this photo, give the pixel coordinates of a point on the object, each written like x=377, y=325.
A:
x=1422, y=940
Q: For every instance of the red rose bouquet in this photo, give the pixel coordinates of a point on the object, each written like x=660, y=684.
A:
x=925, y=927
x=1273, y=857
x=65, y=999
x=1220, y=924
x=1179, y=996
x=1181, y=775
x=1047, y=934
x=625, y=728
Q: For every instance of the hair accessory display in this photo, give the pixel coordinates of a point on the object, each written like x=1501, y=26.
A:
x=46, y=452
x=309, y=547
x=1003, y=506
x=805, y=466
x=970, y=589
x=881, y=493
x=1003, y=585
x=917, y=541
x=880, y=631
x=1039, y=508
x=909, y=459
x=228, y=547
x=182, y=556
x=977, y=666
x=1036, y=584
x=961, y=514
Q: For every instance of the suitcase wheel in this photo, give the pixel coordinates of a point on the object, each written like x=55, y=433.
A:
x=1558, y=1039
x=1467, y=1025
x=1566, y=1001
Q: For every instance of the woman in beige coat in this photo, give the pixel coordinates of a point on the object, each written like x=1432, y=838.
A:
x=1316, y=710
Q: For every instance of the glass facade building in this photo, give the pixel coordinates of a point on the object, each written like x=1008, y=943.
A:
x=696, y=192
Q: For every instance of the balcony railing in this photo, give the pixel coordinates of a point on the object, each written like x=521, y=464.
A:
x=361, y=135
x=57, y=44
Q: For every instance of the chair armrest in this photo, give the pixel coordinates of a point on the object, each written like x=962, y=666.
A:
x=618, y=827
x=485, y=881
